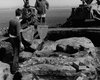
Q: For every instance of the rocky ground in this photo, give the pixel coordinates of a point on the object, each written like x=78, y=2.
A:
x=73, y=58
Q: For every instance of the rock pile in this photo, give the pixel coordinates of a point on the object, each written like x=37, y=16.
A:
x=73, y=58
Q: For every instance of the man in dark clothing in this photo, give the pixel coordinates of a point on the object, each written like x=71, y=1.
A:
x=28, y=16
x=41, y=6
x=25, y=14
x=15, y=38
x=26, y=2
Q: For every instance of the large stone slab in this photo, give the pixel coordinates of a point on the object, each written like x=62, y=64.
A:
x=76, y=44
x=28, y=34
x=5, y=72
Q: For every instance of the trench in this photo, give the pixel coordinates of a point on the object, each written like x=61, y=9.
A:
x=92, y=34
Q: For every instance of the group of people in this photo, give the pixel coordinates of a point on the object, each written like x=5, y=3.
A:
x=41, y=7
x=26, y=15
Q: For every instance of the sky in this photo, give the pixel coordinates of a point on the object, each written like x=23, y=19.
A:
x=14, y=3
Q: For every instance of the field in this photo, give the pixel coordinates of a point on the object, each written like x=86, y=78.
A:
x=54, y=16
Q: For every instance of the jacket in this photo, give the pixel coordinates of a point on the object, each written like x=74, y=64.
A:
x=14, y=27
x=41, y=6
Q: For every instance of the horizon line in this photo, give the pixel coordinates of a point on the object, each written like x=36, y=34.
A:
x=50, y=7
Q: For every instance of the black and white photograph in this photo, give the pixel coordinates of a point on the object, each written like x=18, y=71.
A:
x=49, y=39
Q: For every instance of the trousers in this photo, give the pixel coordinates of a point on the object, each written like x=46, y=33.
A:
x=16, y=49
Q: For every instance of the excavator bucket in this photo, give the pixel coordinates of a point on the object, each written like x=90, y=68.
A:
x=42, y=30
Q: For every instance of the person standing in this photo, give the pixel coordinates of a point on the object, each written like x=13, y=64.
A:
x=41, y=6
x=26, y=2
x=15, y=38
x=26, y=15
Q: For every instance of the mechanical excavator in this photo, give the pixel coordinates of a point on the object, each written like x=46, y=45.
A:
x=86, y=14
x=84, y=21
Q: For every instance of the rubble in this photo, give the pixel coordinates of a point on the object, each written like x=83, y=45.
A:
x=53, y=61
x=3, y=30
x=25, y=55
x=6, y=45
x=47, y=46
x=27, y=77
x=35, y=43
x=6, y=51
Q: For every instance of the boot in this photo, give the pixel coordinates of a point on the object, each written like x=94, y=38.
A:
x=39, y=19
x=43, y=19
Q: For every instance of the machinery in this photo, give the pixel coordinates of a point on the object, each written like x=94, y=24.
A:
x=86, y=15
x=84, y=21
